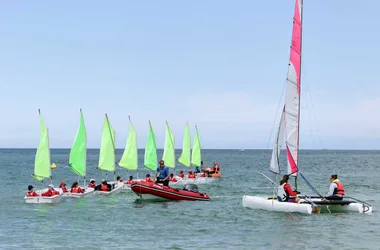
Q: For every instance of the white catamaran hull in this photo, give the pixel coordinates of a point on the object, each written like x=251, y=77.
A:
x=43, y=199
x=304, y=206
x=118, y=188
x=257, y=202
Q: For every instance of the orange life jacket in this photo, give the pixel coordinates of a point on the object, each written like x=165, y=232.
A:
x=103, y=187
x=75, y=190
x=128, y=182
x=339, y=189
x=31, y=194
x=91, y=185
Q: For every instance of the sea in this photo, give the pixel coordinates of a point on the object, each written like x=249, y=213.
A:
x=123, y=222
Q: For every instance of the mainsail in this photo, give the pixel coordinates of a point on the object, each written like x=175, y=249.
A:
x=150, y=157
x=186, y=148
x=292, y=96
x=42, y=162
x=169, y=149
x=196, y=153
x=77, y=160
x=107, y=148
x=129, y=158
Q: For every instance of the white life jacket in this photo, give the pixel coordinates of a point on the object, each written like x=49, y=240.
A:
x=281, y=194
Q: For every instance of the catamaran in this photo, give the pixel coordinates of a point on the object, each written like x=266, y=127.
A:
x=77, y=161
x=289, y=123
x=129, y=159
x=42, y=168
x=107, y=156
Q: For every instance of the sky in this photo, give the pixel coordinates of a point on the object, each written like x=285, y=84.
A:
x=218, y=64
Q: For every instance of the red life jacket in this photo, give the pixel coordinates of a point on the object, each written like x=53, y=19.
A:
x=181, y=175
x=120, y=180
x=216, y=167
x=128, y=182
x=103, y=187
x=64, y=189
x=76, y=190
x=31, y=194
x=173, y=179
x=148, y=179
x=91, y=185
x=191, y=176
x=203, y=175
x=339, y=189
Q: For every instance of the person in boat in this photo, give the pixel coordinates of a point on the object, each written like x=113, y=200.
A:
x=31, y=192
x=215, y=168
x=191, y=175
x=92, y=184
x=172, y=178
x=75, y=189
x=204, y=174
x=50, y=192
x=181, y=174
x=130, y=180
x=198, y=169
x=336, y=190
x=147, y=178
x=285, y=192
x=118, y=179
x=63, y=187
x=104, y=186
x=162, y=174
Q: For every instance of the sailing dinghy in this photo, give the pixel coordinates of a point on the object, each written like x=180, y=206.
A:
x=129, y=159
x=191, y=158
x=289, y=124
x=42, y=168
x=107, y=156
x=77, y=161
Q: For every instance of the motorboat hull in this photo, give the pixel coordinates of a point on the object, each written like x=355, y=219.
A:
x=150, y=190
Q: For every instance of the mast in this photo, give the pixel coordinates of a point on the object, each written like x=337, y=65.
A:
x=299, y=87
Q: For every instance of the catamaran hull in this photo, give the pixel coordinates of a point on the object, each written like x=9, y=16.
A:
x=118, y=188
x=256, y=202
x=43, y=199
x=150, y=190
x=305, y=206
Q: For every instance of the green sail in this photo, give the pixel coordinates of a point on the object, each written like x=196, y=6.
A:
x=78, y=151
x=129, y=158
x=169, y=150
x=186, y=148
x=150, y=157
x=107, y=148
x=42, y=161
x=196, y=154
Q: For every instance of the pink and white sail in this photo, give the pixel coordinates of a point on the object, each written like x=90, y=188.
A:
x=291, y=112
x=292, y=97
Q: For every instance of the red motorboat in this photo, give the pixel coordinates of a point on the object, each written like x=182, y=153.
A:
x=148, y=190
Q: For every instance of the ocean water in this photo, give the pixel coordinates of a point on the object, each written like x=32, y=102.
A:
x=121, y=222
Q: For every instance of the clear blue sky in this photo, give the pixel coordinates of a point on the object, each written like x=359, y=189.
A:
x=218, y=64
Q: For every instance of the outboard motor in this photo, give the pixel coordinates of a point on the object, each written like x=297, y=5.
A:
x=191, y=187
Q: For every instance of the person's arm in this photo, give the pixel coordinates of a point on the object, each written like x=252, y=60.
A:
x=331, y=190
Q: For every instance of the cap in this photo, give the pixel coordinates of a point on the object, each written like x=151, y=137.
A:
x=51, y=185
x=30, y=187
x=181, y=171
x=92, y=180
x=103, y=180
x=63, y=183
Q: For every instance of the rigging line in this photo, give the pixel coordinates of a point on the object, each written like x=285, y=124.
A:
x=278, y=106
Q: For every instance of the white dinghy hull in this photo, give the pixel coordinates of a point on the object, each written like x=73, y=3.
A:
x=43, y=199
x=118, y=188
x=257, y=202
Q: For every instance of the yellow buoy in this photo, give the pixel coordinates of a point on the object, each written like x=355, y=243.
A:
x=53, y=165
